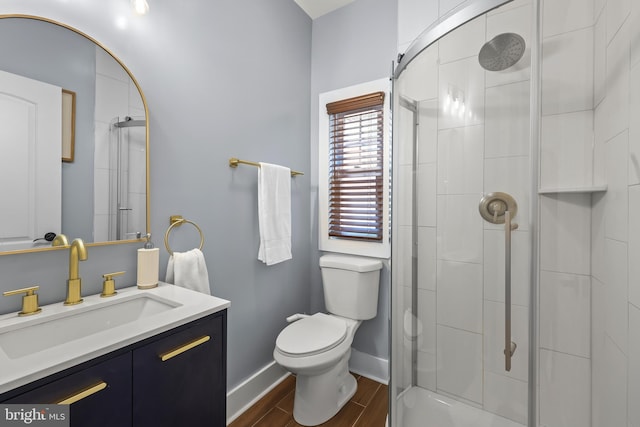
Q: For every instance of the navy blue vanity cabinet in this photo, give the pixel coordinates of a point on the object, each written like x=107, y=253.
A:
x=103, y=391
x=180, y=380
x=173, y=379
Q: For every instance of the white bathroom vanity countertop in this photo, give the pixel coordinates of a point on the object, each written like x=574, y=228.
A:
x=17, y=370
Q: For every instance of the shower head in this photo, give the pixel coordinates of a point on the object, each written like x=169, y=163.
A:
x=501, y=52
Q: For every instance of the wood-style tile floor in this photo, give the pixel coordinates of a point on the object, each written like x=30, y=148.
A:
x=367, y=408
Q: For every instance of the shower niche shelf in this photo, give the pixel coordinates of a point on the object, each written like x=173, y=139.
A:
x=591, y=189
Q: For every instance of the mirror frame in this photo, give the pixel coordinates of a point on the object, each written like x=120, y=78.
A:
x=146, y=113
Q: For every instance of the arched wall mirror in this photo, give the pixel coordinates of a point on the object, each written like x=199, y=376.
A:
x=74, y=138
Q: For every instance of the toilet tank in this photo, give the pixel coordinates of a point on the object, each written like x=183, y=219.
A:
x=351, y=285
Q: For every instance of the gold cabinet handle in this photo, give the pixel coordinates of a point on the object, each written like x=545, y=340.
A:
x=84, y=393
x=186, y=347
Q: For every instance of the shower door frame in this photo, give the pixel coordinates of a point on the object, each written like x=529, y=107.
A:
x=450, y=22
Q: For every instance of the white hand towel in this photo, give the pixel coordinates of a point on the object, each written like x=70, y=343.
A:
x=189, y=270
x=274, y=213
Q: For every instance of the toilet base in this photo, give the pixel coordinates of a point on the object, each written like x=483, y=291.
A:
x=319, y=397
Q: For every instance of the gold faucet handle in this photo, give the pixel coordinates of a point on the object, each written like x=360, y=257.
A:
x=29, y=300
x=109, y=285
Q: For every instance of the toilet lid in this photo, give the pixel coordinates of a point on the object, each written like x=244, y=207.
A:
x=311, y=335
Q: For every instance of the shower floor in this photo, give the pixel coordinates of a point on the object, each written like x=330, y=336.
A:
x=424, y=408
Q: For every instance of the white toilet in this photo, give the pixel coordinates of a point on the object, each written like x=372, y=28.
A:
x=317, y=348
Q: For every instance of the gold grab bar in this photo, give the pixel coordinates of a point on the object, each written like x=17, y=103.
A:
x=186, y=347
x=84, y=393
x=178, y=220
x=234, y=162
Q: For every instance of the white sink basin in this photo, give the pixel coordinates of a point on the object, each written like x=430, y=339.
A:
x=61, y=336
x=44, y=332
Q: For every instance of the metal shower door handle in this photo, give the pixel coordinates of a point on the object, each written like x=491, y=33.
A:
x=499, y=208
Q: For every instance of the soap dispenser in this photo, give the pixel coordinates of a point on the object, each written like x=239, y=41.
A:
x=148, y=265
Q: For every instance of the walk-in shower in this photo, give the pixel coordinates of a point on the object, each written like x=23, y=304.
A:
x=516, y=218
x=127, y=188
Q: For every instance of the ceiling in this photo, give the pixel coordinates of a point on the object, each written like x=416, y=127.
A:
x=316, y=8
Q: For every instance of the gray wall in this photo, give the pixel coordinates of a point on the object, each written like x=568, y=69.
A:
x=222, y=79
x=351, y=45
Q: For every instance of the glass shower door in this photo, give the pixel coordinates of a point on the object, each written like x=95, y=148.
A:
x=461, y=134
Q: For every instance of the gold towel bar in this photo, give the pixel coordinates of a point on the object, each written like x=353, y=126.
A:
x=234, y=162
x=178, y=220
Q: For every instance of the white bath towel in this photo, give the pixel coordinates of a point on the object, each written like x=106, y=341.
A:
x=189, y=270
x=274, y=213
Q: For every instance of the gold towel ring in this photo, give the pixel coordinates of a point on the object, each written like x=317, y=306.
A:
x=178, y=220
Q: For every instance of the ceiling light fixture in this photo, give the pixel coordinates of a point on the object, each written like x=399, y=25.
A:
x=141, y=7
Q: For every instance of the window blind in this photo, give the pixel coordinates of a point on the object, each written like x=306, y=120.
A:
x=356, y=170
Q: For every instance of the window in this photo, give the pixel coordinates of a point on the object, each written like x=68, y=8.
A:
x=354, y=171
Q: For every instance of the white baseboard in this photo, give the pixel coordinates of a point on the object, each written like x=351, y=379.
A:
x=369, y=366
x=253, y=389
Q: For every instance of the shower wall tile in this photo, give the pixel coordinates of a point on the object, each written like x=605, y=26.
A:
x=616, y=198
x=102, y=146
x=598, y=267
x=413, y=18
x=634, y=246
x=494, y=266
x=565, y=300
x=567, y=72
x=506, y=397
x=427, y=370
x=447, y=6
x=421, y=76
x=427, y=254
x=459, y=295
x=599, y=60
x=460, y=363
x=507, y=120
x=617, y=12
x=565, y=224
x=460, y=154
x=464, y=42
x=405, y=142
x=404, y=195
x=566, y=150
x=426, y=330
x=565, y=397
x=598, y=7
x=113, y=95
x=101, y=186
x=459, y=233
x=600, y=116
x=513, y=20
x=567, y=15
x=617, y=76
x=402, y=260
x=634, y=125
x=616, y=296
x=427, y=196
x=509, y=175
x=634, y=22
x=494, y=340
x=461, y=94
x=633, y=396
x=609, y=406
x=512, y=5
x=428, y=131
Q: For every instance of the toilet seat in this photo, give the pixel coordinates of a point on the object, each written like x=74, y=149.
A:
x=311, y=335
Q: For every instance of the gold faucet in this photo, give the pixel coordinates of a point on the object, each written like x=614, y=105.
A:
x=77, y=253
